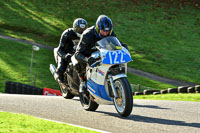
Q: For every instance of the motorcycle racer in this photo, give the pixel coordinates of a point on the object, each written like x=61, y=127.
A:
x=66, y=45
x=103, y=28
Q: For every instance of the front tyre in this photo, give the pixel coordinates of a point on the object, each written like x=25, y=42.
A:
x=124, y=103
x=87, y=102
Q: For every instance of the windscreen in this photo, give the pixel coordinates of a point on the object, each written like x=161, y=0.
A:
x=109, y=43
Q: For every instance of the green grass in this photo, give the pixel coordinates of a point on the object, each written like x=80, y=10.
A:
x=174, y=97
x=164, y=44
x=19, y=123
x=138, y=80
x=15, y=64
x=163, y=40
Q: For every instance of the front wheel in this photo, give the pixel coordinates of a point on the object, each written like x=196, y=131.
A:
x=87, y=102
x=124, y=103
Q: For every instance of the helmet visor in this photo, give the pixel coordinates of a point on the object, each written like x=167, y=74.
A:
x=80, y=30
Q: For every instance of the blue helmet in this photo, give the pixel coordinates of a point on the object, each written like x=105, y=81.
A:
x=104, y=23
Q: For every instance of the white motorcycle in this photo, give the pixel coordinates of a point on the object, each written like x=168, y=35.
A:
x=106, y=79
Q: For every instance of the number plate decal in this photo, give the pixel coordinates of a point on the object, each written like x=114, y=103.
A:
x=117, y=57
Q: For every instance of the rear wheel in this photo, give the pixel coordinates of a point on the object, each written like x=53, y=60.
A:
x=65, y=92
x=124, y=103
x=87, y=102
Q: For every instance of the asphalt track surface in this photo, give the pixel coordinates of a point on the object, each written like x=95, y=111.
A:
x=148, y=116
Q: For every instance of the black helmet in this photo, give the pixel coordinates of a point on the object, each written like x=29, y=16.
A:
x=80, y=25
x=104, y=23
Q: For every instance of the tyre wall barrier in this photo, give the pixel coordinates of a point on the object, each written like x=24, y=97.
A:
x=137, y=90
x=149, y=92
x=172, y=90
x=7, y=90
x=156, y=93
x=182, y=89
x=191, y=89
x=163, y=91
x=197, y=88
x=19, y=88
x=138, y=93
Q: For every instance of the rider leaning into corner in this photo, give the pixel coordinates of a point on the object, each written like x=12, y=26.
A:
x=90, y=36
x=66, y=46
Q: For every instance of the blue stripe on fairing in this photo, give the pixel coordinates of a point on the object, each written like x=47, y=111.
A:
x=98, y=90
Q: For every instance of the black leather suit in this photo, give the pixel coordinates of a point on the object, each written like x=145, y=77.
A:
x=67, y=41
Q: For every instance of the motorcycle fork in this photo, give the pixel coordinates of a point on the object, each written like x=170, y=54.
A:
x=112, y=86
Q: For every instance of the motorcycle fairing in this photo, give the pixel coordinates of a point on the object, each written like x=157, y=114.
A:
x=97, y=89
x=115, y=57
x=100, y=72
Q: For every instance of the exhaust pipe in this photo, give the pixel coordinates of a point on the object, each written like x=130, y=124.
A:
x=53, y=71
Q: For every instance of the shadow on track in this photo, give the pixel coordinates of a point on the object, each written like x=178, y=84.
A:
x=146, y=119
x=149, y=106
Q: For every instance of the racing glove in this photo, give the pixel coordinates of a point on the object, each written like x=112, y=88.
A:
x=67, y=57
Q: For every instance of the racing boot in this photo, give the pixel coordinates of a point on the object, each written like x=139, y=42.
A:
x=82, y=87
x=60, y=77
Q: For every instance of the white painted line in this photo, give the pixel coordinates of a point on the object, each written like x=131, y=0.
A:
x=97, y=130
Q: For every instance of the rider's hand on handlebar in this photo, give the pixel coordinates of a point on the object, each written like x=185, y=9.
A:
x=68, y=57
